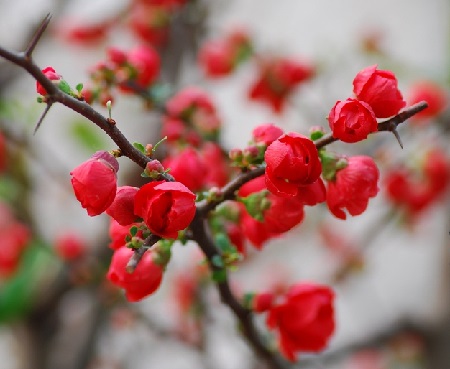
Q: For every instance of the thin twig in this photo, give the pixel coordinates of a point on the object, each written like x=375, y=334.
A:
x=43, y=115
x=139, y=253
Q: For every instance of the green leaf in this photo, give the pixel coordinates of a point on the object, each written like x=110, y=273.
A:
x=19, y=293
x=79, y=87
x=64, y=87
x=139, y=146
x=87, y=135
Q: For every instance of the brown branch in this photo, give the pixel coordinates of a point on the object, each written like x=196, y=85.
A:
x=228, y=191
x=202, y=235
x=24, y=60
x=139, y=253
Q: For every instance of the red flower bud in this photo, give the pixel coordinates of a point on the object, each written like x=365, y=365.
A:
x=51, y=74
x=352, y=120
x=122, y=208
x=166, y=207
x=216, y=58
x=292, y=161
x=69, y=246
x=353, y=186
x=146, y=62
x=95, y=182
x=304, y=320
x=379, y=89
x=188, y=168
x=266, y=133
x=436, y=97
x=262, y=302
x=145, y=279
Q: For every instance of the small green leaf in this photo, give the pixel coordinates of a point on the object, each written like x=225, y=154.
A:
x=79, y=87
x=139, y=146
x=64, y=87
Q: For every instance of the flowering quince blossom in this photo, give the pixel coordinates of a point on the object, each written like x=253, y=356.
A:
x=95, y=182
x=379, y=89
x=144, y=280
x=304, y=319
x=283, y=213
x=352, y=120
x=122, y=208
x=166, y=207
x=266, y=133
x=69, y=246
x=277, y=80
x=220, y=57
x=436, y=97
x=353, y=186
x=417, y=192
x=51, y=74
x=292, y=161
x=187, y=167
x=14, y=237
x=146, y=62
x=118, y=233
x=194, y=108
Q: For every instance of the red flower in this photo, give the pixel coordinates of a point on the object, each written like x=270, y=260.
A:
x=146, y=62
x=282, y=215
x=353, y=186
x=69, y=246
x=194, y=107
x=145, y=279
x=216, y=58
x=51, y=74
x=13, y=240
x=292, y=161
x=95, y=182
x=150, y=22
x=277, y=80
x=379, y=89
x=216, y=163
x=118, y=232
x=166, y=207
x=266, y=133
x=122, y=208
x=187, y=167
x=304, y=320
x=352, y=120
x=433, y=94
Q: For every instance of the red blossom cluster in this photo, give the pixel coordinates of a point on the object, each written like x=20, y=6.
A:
x=277, y=79
x=415, y=190
x=377, y=96
x=129, y=71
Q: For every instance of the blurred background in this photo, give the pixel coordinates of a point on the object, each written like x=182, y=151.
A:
x=390, y=267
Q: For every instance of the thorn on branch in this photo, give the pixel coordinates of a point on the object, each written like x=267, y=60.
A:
x=37, y=36
x=393, y=129
x=41, y=119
